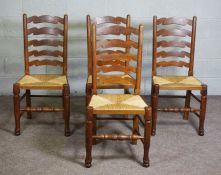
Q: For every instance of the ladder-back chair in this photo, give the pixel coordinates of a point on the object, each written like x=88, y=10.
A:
x=106, y=62
x=174, y=45
x=45, y=44
x=102, y=22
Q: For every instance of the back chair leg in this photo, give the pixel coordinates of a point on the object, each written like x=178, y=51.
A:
x=147, y=135
x=88, y=93
x=187, y=104
x=135, y=128
x=89, y=137
x=66, y=106
x=28, y=102
x=203, y=93
x=154, y=103
x=16, y=91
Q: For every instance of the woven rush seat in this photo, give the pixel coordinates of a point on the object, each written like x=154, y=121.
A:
x=117, y=104
x=108, y=81
x=177, y=82
x=42, y=81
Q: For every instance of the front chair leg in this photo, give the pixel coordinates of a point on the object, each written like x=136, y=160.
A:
x=187, y=104
x=147, y=135
x=28, y=102
x=16, y=98
x=203, y=102
x=89, y=137
x=94, y=129
x=154, y=103
x=135, y=128
x=66, y=107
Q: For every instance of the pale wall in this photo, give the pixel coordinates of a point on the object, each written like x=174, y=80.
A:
x=208, y=43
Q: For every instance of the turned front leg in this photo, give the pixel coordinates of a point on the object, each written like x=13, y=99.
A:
x=147, y=135
x=66, y=107
x=202, y=109
x=89, y=137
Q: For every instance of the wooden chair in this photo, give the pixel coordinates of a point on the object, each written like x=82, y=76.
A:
x=174, y=45
x=54, y=35
x=106, y=62
x=102, y=22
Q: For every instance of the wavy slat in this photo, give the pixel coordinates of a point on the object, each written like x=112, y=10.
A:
x=116, y=43
x=36, y=53
x=110, y=62
x=178, y=21
x=172, y=63
x=45, y=30
x=116, y=80
x=46, y=62
x=174, y=32
x=117, y=30
x=109, y=52
x=106, y=69
x=45, y=19
x=181, y=44
x=117, y=56
x=165, y=54
x=110, y=19
x=45, y=42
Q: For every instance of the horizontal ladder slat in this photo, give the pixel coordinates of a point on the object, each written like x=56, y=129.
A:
x=116, y=43
x=45, y=42
x=178, y=21
x=45, y=31
x=174, y=32
x=116, y=30
x=110, y=19
x=181, y=44
x=45, y=19
x=46, y=62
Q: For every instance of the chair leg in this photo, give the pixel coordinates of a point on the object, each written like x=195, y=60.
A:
x=66, y=107
x=16, y=98
x=203, y=93
x=147, y=135
x=28, y=102
x=89, y=137
x=154, y=103
x=88, y=93
x=187, y=104
x=135, y=128
x=94, y=128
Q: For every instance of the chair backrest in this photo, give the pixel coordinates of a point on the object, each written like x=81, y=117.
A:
x=45, y=41
x=173, y=43
x=108, y=61
x=101, y=22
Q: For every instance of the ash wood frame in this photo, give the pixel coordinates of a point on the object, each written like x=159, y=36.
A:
x=102, y=20
x=91, y=118
x=18, y=111
x=200, y=113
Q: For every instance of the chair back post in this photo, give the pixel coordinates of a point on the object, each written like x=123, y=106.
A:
x=154, y=54
x=94, y=60
x=128, y=36
x=25, y=34
x=65, y=48
x=192, y=49
x=89, y=45
x=139, y=60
